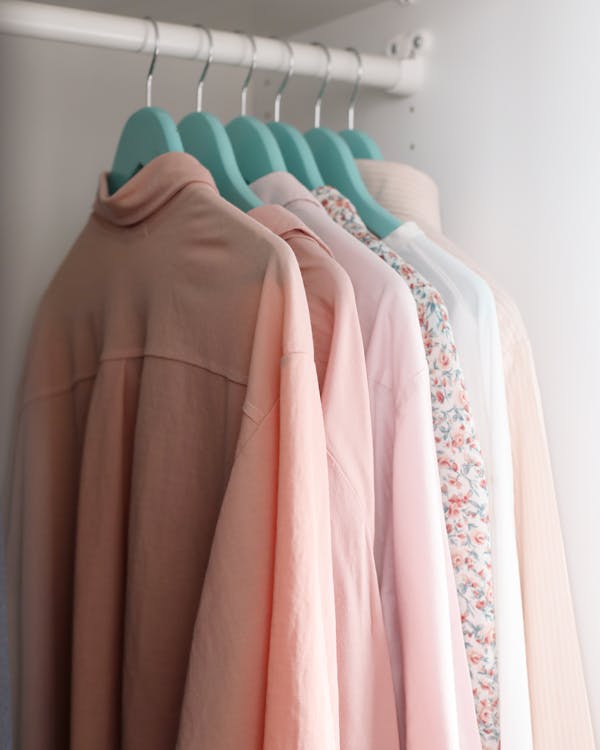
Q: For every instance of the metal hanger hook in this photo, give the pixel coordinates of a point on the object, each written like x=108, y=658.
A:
x=153, y=62
x=354, y=97
x=288, y=74
x=323, y=85
x=250, y=72
x=207, y=64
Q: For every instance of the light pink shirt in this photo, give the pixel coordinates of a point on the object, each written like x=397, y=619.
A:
x=433, y=693
x=169, y=544
x=366, y=690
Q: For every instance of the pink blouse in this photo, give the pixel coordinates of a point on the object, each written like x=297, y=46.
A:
x=366, y=690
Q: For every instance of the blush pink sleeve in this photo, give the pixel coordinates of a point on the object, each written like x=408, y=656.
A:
x=262, y=672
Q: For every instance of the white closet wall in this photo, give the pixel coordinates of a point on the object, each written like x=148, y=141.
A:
x=508, y=123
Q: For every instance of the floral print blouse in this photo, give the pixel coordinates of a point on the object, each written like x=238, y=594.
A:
x=462, y=473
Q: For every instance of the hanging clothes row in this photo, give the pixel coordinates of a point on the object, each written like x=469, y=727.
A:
x=280, y=475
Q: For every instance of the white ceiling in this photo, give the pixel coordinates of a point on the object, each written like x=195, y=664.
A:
x=264, y=17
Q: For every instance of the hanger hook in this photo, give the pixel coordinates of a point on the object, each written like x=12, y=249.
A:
x=289, y=73
x=250, y=71
x=207, y=64
x=323, y=85
x=153, y=62
x=354, y=97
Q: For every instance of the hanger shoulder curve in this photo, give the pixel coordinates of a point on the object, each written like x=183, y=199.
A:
x=298, y=157
x=339, y=169
x=361, y=144
x=148, y=133
x=256, y=149
x=206, y=138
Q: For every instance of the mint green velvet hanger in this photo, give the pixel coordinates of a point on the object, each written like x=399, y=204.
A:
x=148, y=133
x=299, y=159
x=296, y=152
x=339, y=169
x=255, y=147
x=361, y=144
x=206, y=138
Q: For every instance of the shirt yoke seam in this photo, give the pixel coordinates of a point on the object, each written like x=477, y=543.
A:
x=258, y=417
x=58, y=391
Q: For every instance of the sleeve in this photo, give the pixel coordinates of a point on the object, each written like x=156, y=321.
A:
x=262, y=670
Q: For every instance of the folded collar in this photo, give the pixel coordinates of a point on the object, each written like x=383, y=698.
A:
x=149, y=189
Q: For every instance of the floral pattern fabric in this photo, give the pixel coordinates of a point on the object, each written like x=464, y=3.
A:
x=461, y=468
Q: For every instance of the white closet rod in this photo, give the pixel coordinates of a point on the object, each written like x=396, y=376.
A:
x=40, y=21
